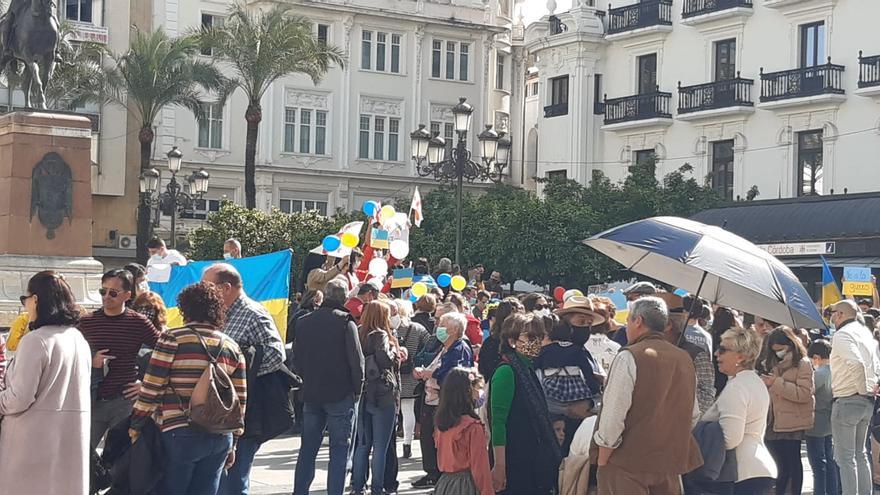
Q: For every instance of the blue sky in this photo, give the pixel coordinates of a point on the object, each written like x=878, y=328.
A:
x=533, y=9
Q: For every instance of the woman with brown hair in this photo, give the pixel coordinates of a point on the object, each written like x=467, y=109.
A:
x=378, y=406
x=151, y=305
x=788, y=374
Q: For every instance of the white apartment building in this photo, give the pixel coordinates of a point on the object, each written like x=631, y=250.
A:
x=777, y=94
x=346, y=140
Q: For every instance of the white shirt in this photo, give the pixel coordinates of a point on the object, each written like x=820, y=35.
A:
x=603, y=350
x=172, y=257
x=855, y=364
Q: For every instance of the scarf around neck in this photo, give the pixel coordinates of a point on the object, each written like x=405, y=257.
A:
x=539, y=415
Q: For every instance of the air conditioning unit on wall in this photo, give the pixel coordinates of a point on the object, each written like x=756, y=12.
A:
x=127, y=242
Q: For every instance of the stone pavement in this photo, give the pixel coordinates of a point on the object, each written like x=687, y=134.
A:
x=274, y=466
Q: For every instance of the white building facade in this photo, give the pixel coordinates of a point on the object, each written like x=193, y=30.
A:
x=777, y=97
x=346, y=140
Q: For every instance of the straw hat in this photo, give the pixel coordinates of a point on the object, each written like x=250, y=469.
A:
x=583, y=305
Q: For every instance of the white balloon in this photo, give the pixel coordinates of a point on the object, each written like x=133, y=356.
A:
x=399, y=249
x=378, y=267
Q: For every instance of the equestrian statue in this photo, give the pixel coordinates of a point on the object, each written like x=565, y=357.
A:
x=29, y=35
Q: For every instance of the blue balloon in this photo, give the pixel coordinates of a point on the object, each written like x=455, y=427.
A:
x=444, y=279
x=413, y=298
x=331, y=243
x=370, y=208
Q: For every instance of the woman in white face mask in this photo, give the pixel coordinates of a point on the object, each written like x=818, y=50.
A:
x=537, y=303
x=788, y=375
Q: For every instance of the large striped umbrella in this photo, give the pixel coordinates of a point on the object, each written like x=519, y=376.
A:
x=712, y=263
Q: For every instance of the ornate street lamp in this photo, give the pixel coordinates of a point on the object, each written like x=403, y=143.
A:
x=429, y=155
x=177, y=197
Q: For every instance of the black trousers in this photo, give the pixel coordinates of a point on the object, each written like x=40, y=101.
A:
x=787, y=454
x=426, y=441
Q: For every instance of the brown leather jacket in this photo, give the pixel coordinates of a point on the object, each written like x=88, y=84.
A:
x=792, y=396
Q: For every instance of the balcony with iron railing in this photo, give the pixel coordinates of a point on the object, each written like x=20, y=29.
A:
x=698, y=11
x=642, y=17
x=642, y=110
x=715, y=99
x=556, y=110
x=869, y=75
x=805, y=85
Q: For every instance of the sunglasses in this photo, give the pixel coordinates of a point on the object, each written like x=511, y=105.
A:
x=113, y=292
x=540, y=307
x=24, y=298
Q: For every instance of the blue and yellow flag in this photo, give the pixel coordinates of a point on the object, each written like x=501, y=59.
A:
x=830, y=291
x=266, y=279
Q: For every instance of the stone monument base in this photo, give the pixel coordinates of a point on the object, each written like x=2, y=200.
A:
x=83, y=275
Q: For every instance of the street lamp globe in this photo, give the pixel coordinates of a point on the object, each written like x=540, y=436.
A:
x=503, y=154
x=200, y=179
x=462, y=114
x=420, y=140
x=436, y=150
x=175, y=158
x=149, y=181
x=489, y=144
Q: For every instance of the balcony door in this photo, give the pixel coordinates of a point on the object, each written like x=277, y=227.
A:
x=812, y=45
x=647, y=76
x=725, y=71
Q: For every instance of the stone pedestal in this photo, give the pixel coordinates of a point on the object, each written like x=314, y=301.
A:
x=45, y=205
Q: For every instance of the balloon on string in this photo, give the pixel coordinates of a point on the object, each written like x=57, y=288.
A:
x=331, y=243
x=444, y=279
x=558, y=292
x=419, y=289
x=378, y=267
x=458, y=283
x=370, y=208
x=349, y=240
x=413, y=298
x=386, y=213
x=399, y=249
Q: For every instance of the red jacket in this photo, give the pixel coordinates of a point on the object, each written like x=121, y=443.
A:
x=473, y=331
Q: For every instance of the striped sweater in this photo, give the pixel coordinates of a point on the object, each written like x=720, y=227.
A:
x=178, y=361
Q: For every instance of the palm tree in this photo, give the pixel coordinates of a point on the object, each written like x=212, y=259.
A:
x=260, y=49
x=156, y=71
x=73, y=80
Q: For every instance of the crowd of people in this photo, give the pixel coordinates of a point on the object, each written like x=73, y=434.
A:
x=504, y=393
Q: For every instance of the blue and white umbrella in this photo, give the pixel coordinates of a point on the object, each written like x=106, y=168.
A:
x=713, y=263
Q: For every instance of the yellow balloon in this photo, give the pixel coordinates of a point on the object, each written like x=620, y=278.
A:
x=349, y=240
x=458, y=282
x=387, y=213
x=419, y=289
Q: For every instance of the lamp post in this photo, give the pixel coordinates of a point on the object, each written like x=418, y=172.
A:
x=178, y=196
x=429, y=154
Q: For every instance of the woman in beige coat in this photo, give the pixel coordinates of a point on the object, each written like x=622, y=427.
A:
x=788, y=375
x=45, y=406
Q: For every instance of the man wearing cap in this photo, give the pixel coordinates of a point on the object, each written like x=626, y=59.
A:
x=643, y=433
x=633, y=293
x=579, y=312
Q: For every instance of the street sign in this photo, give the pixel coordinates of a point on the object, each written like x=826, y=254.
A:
x=800, y=248
x=858, y=288
x=857, y=273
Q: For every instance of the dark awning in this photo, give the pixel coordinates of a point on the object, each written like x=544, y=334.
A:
x=817, y=218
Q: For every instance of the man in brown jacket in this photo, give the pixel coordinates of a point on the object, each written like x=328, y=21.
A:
x=644, y=430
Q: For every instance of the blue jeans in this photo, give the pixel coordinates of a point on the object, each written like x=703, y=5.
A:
x=337, y=418
x=375, y=428
x=850, y=419
x=237, y=480
x=194, y=461
x=826, y=479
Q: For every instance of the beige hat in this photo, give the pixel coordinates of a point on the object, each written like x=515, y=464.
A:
x=583, y=305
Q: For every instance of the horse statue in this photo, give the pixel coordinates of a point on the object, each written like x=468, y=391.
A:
x=29, y=35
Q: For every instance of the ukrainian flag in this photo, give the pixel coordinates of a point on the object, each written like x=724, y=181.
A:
x=266, y=279
x=830, y=292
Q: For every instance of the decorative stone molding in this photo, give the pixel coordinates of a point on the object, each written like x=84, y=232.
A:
x=347, y=25
x=306, y=99
x=502, y=121
x=441, y=112
x=381, y=106
x=212, y=155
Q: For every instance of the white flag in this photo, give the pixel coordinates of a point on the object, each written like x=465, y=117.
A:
x=416, y=208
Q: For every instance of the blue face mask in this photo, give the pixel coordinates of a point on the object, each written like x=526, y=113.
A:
x=441, y=334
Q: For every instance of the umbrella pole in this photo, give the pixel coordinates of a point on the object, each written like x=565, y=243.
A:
x=693, y=306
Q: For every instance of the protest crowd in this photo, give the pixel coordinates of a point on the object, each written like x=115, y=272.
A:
x=520, y=394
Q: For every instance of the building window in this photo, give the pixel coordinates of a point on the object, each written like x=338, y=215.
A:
x=444, y=55
x=210, y=204
x=533, y=89
x=323, y=33
x=559, y=90
x=211, y=126
x=644, y=157
x=722, y=168
x=725, y=60
x=78, y=10
x=557, y=175
x=305, y=131
x=809, y=163
x=447, y=130
x=209, y=20
x=289, y=205
x=647, y=74
x=812, y=44
x=376, y=135
x=384, y=59
x=499, y=70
